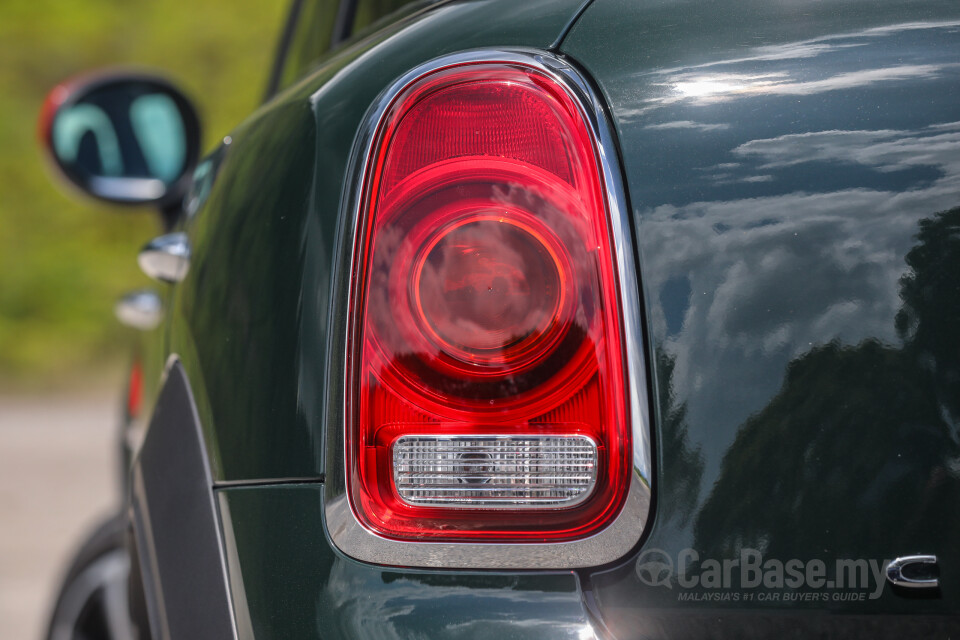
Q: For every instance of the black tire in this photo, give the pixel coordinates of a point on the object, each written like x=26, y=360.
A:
x=92, y=602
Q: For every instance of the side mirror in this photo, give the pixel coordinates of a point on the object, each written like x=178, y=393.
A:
x=123, y=137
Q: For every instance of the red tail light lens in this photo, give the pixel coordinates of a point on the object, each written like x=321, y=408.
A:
x=488, y=290
x=486, y=396
x=135, y=390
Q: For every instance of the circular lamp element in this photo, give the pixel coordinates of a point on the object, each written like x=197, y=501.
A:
x=491, y=291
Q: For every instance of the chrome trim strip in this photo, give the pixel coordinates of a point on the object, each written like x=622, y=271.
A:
x=345, y=531
x=896, y=577
x=608, y=545
x=166, y=258
x=141, y=309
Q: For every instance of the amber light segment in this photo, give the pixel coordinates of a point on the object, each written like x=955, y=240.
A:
x=486, y=304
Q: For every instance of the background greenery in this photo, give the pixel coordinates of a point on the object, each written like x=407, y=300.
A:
x=63, y=260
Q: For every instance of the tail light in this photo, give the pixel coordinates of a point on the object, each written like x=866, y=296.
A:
x=135, y=390
x=486, y=381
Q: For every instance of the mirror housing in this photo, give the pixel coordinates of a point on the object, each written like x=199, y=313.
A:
x=124, y=137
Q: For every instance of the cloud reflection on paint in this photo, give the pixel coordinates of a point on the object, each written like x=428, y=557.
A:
x=785, y=204
x=885, y=150
x=707, y=88
x=777, y=70
x=773, y=275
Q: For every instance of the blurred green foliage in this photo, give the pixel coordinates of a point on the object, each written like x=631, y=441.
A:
x=64, y=260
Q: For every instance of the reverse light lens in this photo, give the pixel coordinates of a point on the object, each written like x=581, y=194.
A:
x=486, y=392
x=494, y=471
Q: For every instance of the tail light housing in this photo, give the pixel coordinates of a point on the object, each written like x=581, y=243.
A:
x=486, y=388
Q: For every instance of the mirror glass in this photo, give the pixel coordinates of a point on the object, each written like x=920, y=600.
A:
x=123, y=138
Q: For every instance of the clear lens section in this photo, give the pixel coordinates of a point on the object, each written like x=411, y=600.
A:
x=494, y=471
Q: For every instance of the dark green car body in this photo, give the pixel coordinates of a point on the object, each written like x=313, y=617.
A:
x=793, y=176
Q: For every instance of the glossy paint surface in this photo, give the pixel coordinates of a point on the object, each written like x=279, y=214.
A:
x=288, y=583
x=794, y=174
x=793, y=171
x=250, y=320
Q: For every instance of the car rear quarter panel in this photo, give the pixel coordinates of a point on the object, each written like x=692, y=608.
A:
x=788, y=163
x=794, y=175
x=250, y=327
x=287, y=582
x=250, y=320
